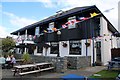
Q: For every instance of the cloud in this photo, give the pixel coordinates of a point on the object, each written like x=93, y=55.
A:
x=112, y=15
x=3, y=32
x=19, y=21
x=17, y=0
x=68, y=4
x=46, y=3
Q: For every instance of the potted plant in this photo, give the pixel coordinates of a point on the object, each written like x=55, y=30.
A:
x=87, y=44
x=26, y=58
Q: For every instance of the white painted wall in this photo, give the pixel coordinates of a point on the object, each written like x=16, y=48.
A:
x=64, y=51
x=105, y=42
x=113, y=43
x=35, y=51
x=89, y=50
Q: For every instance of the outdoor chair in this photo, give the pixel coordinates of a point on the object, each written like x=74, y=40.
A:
x=114, y=63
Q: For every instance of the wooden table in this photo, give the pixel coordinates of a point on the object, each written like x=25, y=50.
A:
x=38, y=64
x=32, y=68
x=24, y=66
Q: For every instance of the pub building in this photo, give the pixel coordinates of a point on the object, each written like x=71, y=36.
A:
x=81, y=31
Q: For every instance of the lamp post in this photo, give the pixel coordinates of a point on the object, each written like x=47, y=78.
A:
x=58, y=33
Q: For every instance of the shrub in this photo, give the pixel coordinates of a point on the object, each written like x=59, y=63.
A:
x=26, y=58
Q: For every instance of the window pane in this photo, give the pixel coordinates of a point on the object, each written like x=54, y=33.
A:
x=37, y=31
x=54, y=48
x=75, y=47
x=39, y=49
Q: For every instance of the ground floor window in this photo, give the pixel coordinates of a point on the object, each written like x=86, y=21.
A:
x=31, y=49
x=39, y=49
x=75, y=47
x=54, y=47
x=21, y=50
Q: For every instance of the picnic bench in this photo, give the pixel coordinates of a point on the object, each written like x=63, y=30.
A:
x=115, y=63
x=32, y=68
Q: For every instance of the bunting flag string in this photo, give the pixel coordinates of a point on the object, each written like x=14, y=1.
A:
x=44, y=31
x=83, y=18
x=93, y=14
x=54, y=29
x=76, y=21
x=71, y=22
x=34, y=37
x=89, y=41
x=98, y=38
x=64, y=26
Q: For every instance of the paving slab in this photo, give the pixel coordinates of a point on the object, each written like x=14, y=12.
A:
x=7, y=73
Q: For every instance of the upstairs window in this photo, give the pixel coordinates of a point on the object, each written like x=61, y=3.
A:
x=71, y=22
x=51, y=26
x=37, y=29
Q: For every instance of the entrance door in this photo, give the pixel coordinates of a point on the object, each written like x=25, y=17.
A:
x=98, y=51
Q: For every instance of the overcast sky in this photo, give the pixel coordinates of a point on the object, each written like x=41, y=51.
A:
x=16, y=14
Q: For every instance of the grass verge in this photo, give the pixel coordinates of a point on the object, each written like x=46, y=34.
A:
x=105, y=74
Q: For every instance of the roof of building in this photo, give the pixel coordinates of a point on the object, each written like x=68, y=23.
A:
x=65, y=14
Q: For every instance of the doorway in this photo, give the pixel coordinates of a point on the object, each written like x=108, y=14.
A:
x=98, y=52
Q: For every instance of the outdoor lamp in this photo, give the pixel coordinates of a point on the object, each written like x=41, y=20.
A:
x=58, y=33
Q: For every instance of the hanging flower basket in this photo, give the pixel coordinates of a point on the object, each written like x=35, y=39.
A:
x=87, y=44
x=64, y=44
